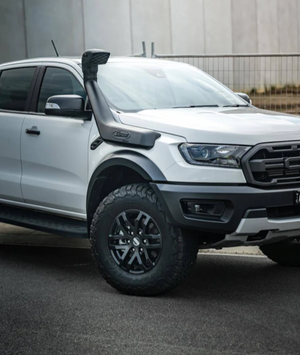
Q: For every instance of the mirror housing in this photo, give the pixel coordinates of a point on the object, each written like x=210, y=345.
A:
x=244, y=97
x=67, y=106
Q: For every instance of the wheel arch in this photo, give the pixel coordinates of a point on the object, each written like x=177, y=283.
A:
x=117, y=170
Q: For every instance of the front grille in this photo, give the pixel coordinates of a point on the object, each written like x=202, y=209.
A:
x=283, y=211
x=273, y=164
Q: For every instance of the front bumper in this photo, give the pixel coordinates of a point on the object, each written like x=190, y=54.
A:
x=247, y=210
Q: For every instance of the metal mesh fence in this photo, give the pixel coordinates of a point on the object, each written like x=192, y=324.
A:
x=271, y=80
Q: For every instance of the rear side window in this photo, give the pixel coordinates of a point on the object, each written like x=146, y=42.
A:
x=14, y=88
x=58, y=81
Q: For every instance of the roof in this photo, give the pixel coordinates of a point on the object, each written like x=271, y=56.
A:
x=77, y=60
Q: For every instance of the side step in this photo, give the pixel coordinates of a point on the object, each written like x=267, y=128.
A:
x=43, y=222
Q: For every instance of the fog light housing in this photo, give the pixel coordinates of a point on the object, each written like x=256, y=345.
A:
x=206, y=209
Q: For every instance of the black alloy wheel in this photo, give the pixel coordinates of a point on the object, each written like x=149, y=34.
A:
x=136, y=248
x=135, y=241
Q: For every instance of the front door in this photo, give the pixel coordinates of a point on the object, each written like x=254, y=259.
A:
x=55, y=161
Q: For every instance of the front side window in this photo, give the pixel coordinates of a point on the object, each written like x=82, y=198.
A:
x=58, y=81
x=14, y=88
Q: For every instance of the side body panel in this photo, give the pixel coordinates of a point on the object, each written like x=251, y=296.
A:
x=10, y=162
x=55, y=163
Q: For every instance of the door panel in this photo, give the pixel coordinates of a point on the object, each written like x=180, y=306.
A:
x=10, y=162
x=54, y=163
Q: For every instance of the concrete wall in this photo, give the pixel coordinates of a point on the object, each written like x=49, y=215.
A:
x=176, y=26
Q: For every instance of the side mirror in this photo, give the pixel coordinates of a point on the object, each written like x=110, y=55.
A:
x=67, y=106
x=244, y=97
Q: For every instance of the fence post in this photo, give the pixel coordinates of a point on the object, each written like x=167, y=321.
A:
x=144, y=54
x=152, y=50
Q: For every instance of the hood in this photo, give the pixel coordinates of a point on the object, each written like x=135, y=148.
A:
x=240, y=125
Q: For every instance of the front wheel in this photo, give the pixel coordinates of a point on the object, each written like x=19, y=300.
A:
x=135, y=247
x=285, y=253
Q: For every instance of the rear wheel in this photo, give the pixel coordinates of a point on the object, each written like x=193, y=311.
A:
x=135, y=247
x=285, y=253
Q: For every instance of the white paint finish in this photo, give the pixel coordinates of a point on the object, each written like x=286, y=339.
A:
x=187, y=26
x=151, y=23
x=164, y=154
x=219, y=125
x=12, y=31
x=182, y=171
x=10, y=160
x=267, y=26
x=218, y=27
x=55, y=162
x=288, y=18
x=57, y=20
x=56, y=211
x=244, y=26
x=107, y=25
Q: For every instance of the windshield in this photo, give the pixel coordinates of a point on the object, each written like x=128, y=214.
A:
x=145, y=86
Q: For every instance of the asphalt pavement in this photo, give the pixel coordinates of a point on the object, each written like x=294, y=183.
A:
x=53, y=301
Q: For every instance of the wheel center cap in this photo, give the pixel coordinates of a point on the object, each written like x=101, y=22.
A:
x=136, y=241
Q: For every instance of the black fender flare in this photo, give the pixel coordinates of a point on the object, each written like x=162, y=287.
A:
x=130, y=159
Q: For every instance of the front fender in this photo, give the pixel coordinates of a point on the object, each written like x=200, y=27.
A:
x=135, y=161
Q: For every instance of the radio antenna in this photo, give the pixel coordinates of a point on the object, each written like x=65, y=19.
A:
x=54, y=48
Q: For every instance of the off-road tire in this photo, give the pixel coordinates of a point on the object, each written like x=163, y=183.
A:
x=178, y=253
x=286, y=253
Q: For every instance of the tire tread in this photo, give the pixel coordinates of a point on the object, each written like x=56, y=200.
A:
x=184, y=247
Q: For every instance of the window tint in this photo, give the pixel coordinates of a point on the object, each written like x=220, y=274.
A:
x=14, y=87
x=58, y=81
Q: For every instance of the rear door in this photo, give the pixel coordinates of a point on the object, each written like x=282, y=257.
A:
x=16, y=85
x=55, y=162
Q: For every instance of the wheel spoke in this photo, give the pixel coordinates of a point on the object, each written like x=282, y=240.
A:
x=116, y=237
x=153, y=241
x=137, y=223
x=128, y=264
x=123, y=229
x=124, y=259
x=146, y=255
x=144, y=224
x=127, y=223
x=119, y=247
x=141, y=264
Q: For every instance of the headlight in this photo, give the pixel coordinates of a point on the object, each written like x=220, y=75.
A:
x=227, y=156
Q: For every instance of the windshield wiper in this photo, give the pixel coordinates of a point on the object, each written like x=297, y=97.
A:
x=192, y=106
x=236, y=105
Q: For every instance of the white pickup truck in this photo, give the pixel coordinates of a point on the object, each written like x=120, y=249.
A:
x=152, y=160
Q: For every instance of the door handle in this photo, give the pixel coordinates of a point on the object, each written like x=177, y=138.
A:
x=33, y=130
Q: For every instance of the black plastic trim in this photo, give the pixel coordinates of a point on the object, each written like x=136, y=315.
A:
x=237, y=199
x=261, y=213
x=37, y=87
x=45, y=222
x=95, y=144
x=246, y=165
x=32, y=88
x=109, y=129
x=136, y=161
